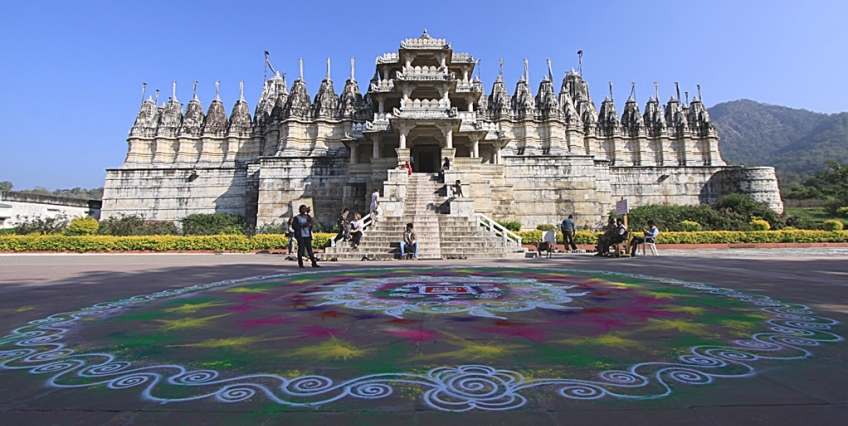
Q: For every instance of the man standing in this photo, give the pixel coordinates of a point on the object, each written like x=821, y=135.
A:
x=344, y=226
x=568, y=230
x=303, y=231
x=410, y=241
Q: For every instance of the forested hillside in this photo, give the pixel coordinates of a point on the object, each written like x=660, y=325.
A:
x=794, y=141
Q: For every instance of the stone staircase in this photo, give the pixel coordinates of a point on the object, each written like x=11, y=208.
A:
x=440, y=236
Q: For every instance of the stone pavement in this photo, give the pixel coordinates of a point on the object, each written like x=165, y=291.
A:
x=808, y=390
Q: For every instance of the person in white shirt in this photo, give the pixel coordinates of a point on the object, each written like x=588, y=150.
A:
x=357, y=227
x=375, y=206
x=650, y=236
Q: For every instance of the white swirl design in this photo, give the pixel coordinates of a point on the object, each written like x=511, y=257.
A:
x=37, y=348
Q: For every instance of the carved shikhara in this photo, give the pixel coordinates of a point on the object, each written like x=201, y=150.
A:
x=531, y=158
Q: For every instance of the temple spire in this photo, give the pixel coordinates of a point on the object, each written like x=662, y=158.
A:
x=217, y=90
x=526, y=71
x=352, y=68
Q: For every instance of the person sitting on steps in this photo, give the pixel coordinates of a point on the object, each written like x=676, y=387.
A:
x=457, y=189
x=410, y=241
x=344, y=226
x=357, y=227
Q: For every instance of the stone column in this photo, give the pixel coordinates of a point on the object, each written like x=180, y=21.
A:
x=402, y=155
x=475, y=146
x=402, y=132
x=353, y=146
x=375, y=149
x=380, y=106
x=447, y=132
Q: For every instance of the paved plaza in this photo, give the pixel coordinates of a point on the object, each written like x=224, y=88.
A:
x=700, y=337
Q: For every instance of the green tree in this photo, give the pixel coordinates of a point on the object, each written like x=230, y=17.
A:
x=6, y=186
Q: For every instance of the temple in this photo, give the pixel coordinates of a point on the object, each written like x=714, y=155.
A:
x=520, y=157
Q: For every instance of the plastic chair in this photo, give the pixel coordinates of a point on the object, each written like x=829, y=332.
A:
x=650, y=243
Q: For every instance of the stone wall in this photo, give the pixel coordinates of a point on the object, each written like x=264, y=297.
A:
x=173, y=193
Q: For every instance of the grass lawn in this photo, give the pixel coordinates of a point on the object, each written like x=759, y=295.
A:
x=813, y=215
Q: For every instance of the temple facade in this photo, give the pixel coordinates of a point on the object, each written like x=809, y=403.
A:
x=523, y=157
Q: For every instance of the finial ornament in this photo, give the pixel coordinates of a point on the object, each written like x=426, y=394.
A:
x=194, y=90
x=174, y=91
x=241, y=90
x=580, y=62
x=500, y=68
x=300, y=64
x=657, y=91
x=632, y=90
x=157, y=98
x=611, y=98
x=328, y=69
x=217, y=87
x=687, y=98
x=479, y=66
x=352, y=67
x=550, y=70
x=677, y=88
x=699, y=93
x=526, y=71
x=143, y=90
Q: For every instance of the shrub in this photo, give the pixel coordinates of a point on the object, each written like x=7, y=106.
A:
x=39, y=225
x=213, y=224
x=272, y=228
x=7, y=231
x=82, y=226
x=125, y=225
x=510, y=225
x=546, y=227
x=842, y=212
x=760, y=225
x=748, y=209
x=833, y=225
x=832, y=205
x=689, y=226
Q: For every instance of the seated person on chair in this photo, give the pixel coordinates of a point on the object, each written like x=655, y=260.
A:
x=619, y=236
x=410, y=241
x=609, y=231
x=650, y=237
x=357, y=227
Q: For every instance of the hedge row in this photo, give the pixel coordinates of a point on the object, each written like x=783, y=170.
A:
x=714, y=237
x=220, y=243
x=90, y=243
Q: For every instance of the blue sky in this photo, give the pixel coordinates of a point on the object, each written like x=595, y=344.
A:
x=71, y=72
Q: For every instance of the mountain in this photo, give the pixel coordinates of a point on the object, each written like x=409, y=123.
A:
x=791, y=140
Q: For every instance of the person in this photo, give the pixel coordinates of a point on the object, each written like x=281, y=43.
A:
x=344, y=226
x=303, y=231
x=650, y=236
x=407, y=167
x=609, y=230
x=457, y=189
x=568, y=228
x=618, y=235
x=357, y=227
x=411, y=164
x=290, y=234
x=410, y=241
x=445, y=166
x=375, y=204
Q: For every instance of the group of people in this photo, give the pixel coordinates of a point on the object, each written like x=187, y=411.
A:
x=614, y=233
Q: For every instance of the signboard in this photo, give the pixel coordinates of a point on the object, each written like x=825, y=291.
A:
x=621, y=207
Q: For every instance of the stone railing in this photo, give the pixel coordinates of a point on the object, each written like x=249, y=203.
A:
x=356, y=129
x=461, y=57
x=509, y=237
x=425, y=113
x=382, y=86
x=425, y=73
x=468, y=87
x=424, y=43
x=388, y=58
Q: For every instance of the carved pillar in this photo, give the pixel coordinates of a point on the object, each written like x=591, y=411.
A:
x=380, y=106
x=447, y=132
x=353, y=147
x=375, y=149
x=403, y=131
x=475, y=146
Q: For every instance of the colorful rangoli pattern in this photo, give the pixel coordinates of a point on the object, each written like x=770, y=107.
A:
x=457, y=339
